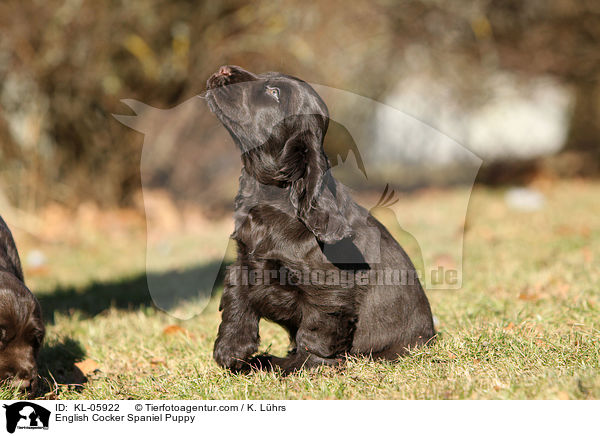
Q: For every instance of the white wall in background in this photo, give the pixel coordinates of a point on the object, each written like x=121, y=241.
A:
x=516, y=118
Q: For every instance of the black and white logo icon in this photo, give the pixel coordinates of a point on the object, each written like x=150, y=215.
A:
x=26, y=415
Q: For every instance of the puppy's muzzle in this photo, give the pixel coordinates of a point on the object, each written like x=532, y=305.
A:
x=228, y=75
x=25, y=380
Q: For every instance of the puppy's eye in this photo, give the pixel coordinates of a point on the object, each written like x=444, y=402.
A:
x=273, y=92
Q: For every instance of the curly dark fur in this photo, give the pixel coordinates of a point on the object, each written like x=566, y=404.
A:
x=21, y=326
x=293, y=218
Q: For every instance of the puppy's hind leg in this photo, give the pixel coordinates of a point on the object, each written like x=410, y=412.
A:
x=398, y=350
x=293, y=362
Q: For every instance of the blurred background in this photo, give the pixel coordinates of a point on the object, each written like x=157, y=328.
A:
x=515, y=82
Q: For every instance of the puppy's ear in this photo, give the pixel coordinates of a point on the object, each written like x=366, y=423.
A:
x=313, y=191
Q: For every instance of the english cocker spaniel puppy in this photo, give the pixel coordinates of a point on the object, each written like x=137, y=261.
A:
x=308, y=257
x=21, y=326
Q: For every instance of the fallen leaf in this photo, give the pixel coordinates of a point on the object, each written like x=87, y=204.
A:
x=87, y=366
x=528, y=297
x=158, y=361
x=510, y=326
x=175, y=329
x=565, y=230
x=541, y=343
x=38, y=271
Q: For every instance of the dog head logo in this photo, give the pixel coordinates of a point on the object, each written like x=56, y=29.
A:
x=365, y=158
x=26, y=415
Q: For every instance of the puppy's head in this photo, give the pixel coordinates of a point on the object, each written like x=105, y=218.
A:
x=279, y=123
x=267, y=108
x=21, y=333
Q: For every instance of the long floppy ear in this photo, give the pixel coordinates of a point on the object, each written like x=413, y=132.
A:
x=313, y=190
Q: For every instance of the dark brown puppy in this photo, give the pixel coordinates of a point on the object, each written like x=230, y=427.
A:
x=21, y=326
x=295, y=225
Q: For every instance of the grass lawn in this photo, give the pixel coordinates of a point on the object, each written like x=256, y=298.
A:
x=525, y=324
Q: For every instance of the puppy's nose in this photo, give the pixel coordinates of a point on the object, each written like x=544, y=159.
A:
x=225, y=70
x=20, y=383
x=220, y=78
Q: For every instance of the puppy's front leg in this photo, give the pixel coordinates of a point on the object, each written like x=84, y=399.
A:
x=237, y=339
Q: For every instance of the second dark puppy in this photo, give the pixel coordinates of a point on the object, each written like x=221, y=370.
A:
x=21, y=326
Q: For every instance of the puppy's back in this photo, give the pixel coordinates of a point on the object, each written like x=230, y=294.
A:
x=9, y=257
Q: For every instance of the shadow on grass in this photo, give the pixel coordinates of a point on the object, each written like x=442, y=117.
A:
x=57, y=359
x=170, y=289
x=57, y=366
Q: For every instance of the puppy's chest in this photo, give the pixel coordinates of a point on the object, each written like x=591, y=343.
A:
x=267, y=227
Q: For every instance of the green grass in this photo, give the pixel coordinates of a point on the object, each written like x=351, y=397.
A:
x=525, y=324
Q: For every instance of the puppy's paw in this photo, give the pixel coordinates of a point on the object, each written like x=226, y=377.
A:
x=233, y=357
x=262, y=362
